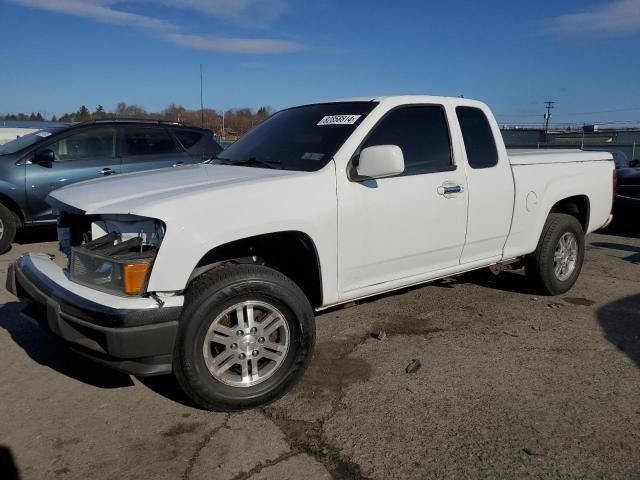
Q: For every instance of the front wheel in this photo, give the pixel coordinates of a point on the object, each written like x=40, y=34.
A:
x=8, y=226
x=555, y=265
x=246, y=336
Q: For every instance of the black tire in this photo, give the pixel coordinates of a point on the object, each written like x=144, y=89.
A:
x=540, y=267
x=210, y=296
x=9, y=225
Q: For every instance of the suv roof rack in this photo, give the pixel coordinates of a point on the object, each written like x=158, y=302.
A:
x=133, y=120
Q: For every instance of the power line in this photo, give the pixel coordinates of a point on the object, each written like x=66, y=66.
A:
x=604, y=111
x=570, y=113
x=556, y=123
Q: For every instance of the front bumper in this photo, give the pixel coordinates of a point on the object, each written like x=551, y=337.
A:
x=132, y=335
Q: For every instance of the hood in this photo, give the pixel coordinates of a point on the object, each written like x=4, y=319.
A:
x=132, y=193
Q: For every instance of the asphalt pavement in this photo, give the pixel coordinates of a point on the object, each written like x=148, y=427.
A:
x=509, y=384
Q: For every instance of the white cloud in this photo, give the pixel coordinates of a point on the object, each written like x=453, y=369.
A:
x=99, y=10
x=234, y=45
x=615, y=17
x=104, y=11
x=251, y=12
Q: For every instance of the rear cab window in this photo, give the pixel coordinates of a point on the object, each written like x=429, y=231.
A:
x=477, y=135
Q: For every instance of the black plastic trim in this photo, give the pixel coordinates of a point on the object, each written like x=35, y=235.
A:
x=141, y=367
x=137, y=350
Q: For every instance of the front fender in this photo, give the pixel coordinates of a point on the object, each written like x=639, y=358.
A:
x=307, y=205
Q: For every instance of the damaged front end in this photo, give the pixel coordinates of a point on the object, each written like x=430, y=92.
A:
x=99, y=302
x=110, y=253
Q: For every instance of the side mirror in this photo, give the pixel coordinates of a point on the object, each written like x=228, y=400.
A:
x=44, y=157
x=380, y=161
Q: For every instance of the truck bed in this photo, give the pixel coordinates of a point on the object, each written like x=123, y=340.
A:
x=543, y=178
x=545, y=156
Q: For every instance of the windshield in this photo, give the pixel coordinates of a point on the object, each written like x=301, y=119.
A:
x=300, y=138
x=26, y=141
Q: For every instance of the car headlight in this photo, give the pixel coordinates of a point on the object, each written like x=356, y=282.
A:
x=112, y=265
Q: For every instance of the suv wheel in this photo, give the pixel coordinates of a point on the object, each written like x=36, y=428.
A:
x=246, y=336
x=8, y=227
x=555, y=265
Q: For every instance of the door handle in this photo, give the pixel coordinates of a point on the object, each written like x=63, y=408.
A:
x=178, y=164
x=106, y=171
x=450, y=189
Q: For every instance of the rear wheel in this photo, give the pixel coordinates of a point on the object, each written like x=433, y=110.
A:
x=8, y=226
x=555, y=265
x=246, y=336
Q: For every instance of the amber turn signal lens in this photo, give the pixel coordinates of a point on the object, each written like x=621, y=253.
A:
x=134, y=276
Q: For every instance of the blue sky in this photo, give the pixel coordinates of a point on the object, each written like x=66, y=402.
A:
x=514, y=55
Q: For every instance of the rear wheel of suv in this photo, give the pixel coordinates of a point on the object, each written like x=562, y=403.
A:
x=246, y=336
x=555, y=265
x=8, y=226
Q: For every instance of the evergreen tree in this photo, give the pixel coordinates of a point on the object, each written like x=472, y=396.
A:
x=83, y=114
x=99, y=113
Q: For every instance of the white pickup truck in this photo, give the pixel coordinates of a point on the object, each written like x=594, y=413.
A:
x=213, y=271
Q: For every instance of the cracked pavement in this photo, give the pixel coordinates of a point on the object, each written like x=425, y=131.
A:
x=512, y=385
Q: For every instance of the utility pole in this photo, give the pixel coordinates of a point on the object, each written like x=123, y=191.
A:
x=548, y=106
x=201, y=102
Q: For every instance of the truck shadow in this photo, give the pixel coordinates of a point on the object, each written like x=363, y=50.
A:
x=506, y=281
x=50, y=351
x=167, y=387
x=620, y=322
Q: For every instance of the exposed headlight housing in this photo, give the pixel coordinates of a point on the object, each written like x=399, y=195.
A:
x=118, y=262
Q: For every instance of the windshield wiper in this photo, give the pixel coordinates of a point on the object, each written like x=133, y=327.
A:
x=250, y=161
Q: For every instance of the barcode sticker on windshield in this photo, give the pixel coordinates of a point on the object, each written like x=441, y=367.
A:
x=339, y=120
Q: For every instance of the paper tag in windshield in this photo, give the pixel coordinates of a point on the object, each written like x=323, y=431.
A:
x=43, y=134
x=339, y=120
x=312, y=156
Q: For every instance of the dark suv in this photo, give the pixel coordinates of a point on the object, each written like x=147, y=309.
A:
x=35, y=164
